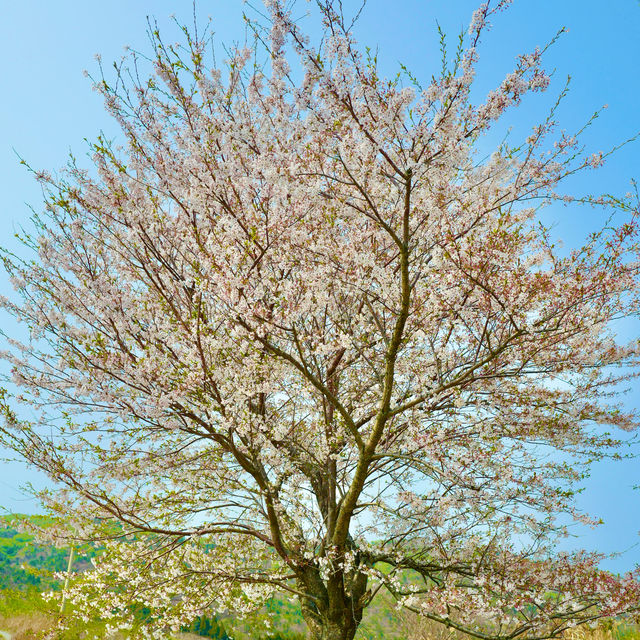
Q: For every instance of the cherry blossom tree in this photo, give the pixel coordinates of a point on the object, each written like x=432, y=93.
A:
x=300, y=334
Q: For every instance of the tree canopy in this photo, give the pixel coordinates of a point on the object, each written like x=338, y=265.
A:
x=301, y=334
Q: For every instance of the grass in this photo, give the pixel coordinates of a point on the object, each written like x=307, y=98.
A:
x=27, y=616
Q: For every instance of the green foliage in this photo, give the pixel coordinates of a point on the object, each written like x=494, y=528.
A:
x=27, y=614
x=283, y=615
x=208, y=628
x=285, y=612
x=27, y=564
x=283, y=635
x=626, y=632
x=17, y=602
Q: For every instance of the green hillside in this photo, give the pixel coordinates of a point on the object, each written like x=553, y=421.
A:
x=24, y=563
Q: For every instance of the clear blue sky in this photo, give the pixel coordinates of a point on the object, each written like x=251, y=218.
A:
x=48, y=108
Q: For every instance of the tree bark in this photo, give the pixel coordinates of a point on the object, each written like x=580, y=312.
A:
x=321, y=628
x=333, y=610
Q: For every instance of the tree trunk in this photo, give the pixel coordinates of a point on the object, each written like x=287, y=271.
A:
x=333, y=606
x=332, y=623
x=323, y=629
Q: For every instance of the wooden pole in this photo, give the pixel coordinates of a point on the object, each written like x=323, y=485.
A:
x=66, y=581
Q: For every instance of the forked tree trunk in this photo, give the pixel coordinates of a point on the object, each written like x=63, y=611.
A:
x=342, y=629
x=333, y=611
